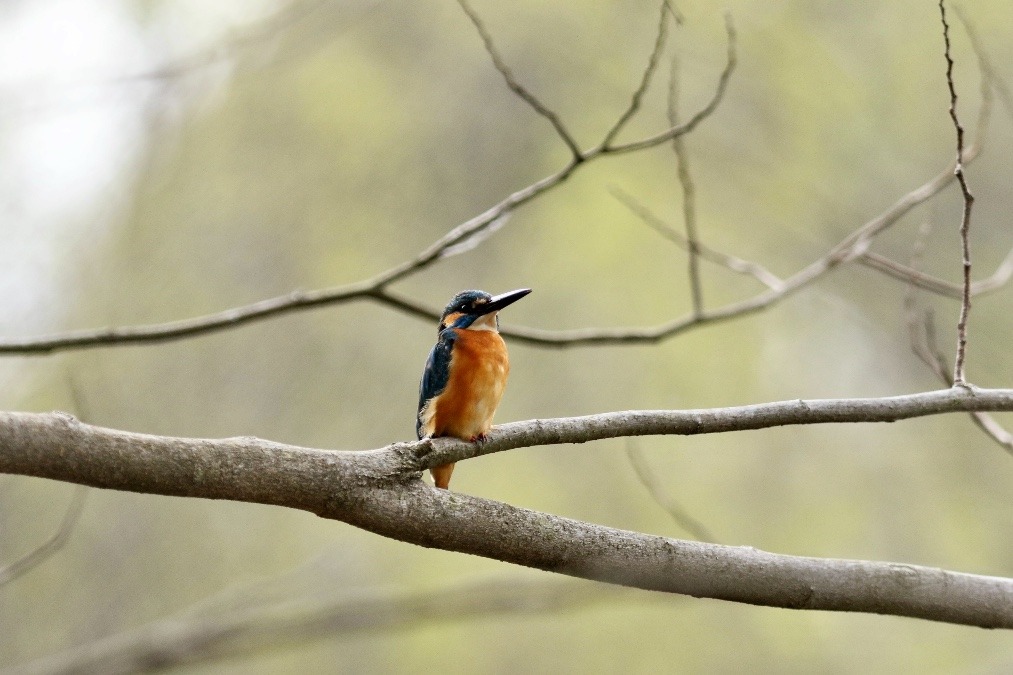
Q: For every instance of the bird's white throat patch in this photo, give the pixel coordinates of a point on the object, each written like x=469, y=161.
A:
x=485, y=322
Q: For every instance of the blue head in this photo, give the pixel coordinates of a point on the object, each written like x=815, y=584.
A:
x=476, y=309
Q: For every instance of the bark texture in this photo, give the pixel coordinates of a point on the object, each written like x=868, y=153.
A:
x=382, y=491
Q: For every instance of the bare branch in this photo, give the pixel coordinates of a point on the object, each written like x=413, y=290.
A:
x=374, y=288
x=705, y=112
x=71, y=516
x=188, y=639
x=934, y=353
x=989, y=82
x=382, y=491
x=909, y=275
x=477, y=239
x=30, y=442
x=516, y=87
x=43, y=552
x=853, y=247
x=999, y=434
x=676, y=14
x=688, y=193
x=921, y=327
x=999, y=278
x=850, y=248
x=645, y=80
x=922, y=331
x=661, y=496
x=174, y=330
x=718, y=420
x=733, y=263
x=965, y=219
x=927, y=349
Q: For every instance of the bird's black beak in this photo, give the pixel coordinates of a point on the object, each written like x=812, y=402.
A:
x=500, y=301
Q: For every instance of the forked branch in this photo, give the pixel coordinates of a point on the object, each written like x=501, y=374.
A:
x=959, y=379
x=382, y=491
x=375, y=288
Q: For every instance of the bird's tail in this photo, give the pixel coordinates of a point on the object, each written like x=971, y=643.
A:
x=441, y=475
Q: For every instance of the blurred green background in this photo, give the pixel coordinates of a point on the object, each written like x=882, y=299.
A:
x=164, y=160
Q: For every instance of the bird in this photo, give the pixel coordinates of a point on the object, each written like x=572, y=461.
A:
x=466, y=372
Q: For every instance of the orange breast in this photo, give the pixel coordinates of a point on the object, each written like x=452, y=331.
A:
x=478, y=373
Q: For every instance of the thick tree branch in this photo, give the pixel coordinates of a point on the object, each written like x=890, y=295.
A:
x=381, y=491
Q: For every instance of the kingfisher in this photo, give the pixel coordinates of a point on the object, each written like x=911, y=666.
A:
x=465, y=373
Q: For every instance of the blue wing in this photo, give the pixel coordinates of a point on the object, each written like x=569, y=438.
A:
x=436, y=375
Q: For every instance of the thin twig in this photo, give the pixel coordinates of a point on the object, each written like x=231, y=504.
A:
x=174, y=330
x=377, y=288
x=933, y=352
x=733, y=263
x=848, y=249
x=645, y=80
x=921, y=328
x=927, y=282
x=989, y=81
x=998, y=432
x=46, y=550
x=688, y=193
x=930, y=354
x=71, y=516
x=937, y=361
x=661, y=497
x=855, y=246
x=922, y=332
x=731, y=60
x=674, y=11
x=374, y=288
x=913, y=277
x=987, y=84
x=965, y=219
x=517, y=87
